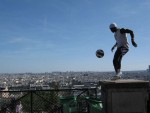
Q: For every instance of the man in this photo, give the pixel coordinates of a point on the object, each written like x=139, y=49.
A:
x=122, y=46
x=19, y=107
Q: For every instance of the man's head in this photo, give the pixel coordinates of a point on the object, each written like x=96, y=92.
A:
x=113, y=27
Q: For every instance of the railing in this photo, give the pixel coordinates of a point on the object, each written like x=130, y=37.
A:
x=47, y=101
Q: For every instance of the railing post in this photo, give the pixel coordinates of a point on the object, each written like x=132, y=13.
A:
x=88, y=106
x=31, y=99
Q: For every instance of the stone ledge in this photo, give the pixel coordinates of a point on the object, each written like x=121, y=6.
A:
x=124, y=83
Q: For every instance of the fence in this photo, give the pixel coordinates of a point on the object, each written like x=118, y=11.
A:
x=47, y=101
x=53, y=101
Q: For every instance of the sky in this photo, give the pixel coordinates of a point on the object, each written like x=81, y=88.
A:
x=63, y=35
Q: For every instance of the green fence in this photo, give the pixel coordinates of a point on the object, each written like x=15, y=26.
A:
x=95, y=106
x=69, y=104
x=72, y=104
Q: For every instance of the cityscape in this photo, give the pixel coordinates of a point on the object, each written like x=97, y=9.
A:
x=63, y=80
x=60, y=92
x=49, y=59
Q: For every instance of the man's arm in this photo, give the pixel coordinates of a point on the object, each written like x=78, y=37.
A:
x=113, y=47
x=131, y=34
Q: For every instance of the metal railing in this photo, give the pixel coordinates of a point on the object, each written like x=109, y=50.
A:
x=46, y=101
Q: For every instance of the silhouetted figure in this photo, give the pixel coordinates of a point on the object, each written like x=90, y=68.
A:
x=19, y=107
x=122, y=46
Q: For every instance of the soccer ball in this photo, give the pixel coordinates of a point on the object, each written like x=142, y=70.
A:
x=99, y=53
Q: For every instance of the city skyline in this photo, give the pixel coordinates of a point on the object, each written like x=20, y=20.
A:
x=63, y=35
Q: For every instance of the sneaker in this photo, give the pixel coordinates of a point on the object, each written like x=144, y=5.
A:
x=119, y=74
x=116, y=77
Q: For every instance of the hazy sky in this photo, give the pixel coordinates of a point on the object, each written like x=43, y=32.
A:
x=63, y=35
